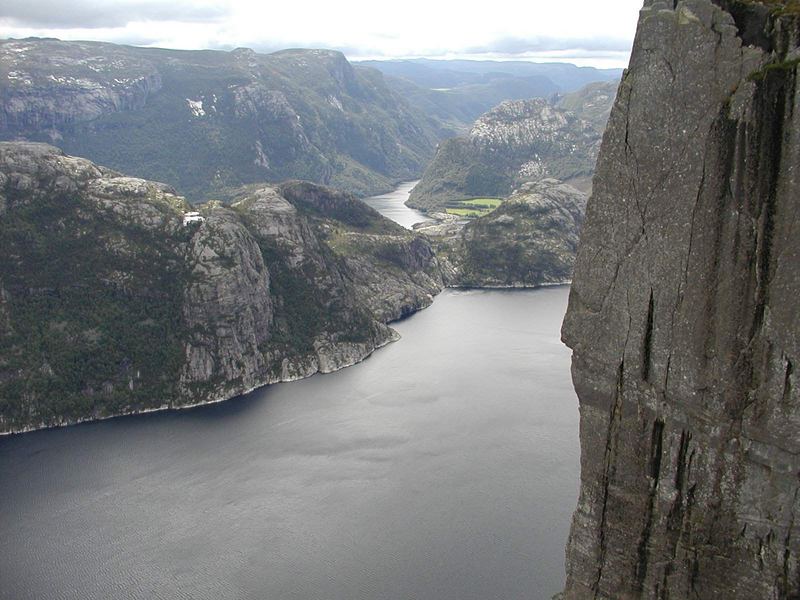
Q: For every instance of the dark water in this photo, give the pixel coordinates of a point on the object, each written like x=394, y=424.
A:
x=444, y=467
x=392, y=205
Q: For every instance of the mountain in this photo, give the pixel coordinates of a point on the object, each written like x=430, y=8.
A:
x=116, y=296
x=591, y=103
x=517, y=141
x=456, y=108
x=457, y=92
x=208, y=121
x=528, y=241
x=683, y=317
x=433, y=74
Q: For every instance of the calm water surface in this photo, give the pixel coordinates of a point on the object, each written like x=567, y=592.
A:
x=392, y=205
x=445, y=467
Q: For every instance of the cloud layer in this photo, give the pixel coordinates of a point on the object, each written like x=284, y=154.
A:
x=583, y=30
x=86, y=14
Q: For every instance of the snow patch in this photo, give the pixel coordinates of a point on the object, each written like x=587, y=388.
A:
x=196, y=106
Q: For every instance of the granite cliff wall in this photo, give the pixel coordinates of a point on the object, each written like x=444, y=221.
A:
x=683, y=315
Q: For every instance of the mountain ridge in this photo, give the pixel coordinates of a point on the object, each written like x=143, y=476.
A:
x=209, y=121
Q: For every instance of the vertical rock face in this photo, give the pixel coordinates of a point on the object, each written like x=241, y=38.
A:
x=683, y=315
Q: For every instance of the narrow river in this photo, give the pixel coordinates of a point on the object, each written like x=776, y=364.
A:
x=392, y=205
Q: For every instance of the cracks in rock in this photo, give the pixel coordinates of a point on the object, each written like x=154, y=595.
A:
x=656, y=444
x=656, y=448
x=787, y=380
x=773, y=96
x=615, y=419
x=631, y=158
x=648, y=340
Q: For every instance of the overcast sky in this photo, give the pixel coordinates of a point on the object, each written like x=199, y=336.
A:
x=586, y=32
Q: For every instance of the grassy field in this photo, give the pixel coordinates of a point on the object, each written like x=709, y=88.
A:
x=483, y=202
x=474, y=207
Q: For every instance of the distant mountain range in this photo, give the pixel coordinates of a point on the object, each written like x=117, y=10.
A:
x=459, y=91
x=210, y=121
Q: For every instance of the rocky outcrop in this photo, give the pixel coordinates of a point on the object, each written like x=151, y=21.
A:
x=208, y=122
x=516, y=142
x=682, y=315
x=530, y=240
x=117, y=298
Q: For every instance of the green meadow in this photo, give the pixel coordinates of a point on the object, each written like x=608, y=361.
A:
x=474, y=207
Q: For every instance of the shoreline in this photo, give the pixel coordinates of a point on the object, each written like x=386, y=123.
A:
x=167, y=408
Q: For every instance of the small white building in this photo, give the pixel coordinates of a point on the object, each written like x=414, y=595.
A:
x=192, y=217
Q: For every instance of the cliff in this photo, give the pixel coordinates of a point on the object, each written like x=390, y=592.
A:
x=116, y=298
x=530, y=240
x=516, y=142
x=683, y=315
x=207, y=122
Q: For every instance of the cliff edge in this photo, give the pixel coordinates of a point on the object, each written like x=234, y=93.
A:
x=683, y=315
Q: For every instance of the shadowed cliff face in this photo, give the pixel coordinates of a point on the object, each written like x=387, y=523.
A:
x=683, y=316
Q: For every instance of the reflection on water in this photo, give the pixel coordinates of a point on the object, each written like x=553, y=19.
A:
x=443, y=467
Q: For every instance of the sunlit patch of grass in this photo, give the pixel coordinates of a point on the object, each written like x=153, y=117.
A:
x=483, y=202
x=473, y=207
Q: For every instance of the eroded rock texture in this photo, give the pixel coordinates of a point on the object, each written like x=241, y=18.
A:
x=683, y=316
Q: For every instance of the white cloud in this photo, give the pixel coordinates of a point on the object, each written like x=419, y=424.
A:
x=584, y=30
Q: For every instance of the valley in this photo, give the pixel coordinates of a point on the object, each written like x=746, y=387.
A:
x=379, y=308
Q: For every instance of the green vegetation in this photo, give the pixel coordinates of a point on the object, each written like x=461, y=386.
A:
x=484, y=202
x=95, y=313
x=473, y=208
x=779, y=7
x=783, y=67
x=465, y=212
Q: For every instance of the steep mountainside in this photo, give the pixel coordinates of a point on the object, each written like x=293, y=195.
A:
x=113, y=300
x=517, y=141
x=683, y=315
x=209, y=121
x=529, y=240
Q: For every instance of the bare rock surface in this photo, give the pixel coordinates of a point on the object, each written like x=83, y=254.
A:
x=683, y=316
